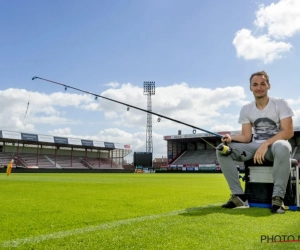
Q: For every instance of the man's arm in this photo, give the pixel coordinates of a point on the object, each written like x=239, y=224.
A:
x=245, y=136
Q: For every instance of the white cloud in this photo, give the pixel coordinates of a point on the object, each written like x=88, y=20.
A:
x=52, y=120
x=293, y=102
x=281, y=20
x=262, y=48
x=296, y=118
x=22, y=110
x=93, y=106
x=61, y=132
x=112, y=85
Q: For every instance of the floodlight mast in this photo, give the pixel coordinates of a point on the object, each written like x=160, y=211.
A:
x=149, y=90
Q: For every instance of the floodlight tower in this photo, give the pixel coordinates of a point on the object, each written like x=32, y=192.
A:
x=149, y=90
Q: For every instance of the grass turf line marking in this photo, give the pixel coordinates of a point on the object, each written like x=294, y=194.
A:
x=105, y=226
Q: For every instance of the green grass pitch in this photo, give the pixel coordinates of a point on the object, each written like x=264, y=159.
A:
x=134, y=211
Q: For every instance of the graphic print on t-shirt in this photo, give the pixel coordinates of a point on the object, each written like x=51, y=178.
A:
x=264, y=128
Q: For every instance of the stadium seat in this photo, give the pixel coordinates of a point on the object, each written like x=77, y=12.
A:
x=259, y=185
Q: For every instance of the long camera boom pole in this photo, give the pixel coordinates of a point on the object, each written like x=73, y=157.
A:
x=128, y=105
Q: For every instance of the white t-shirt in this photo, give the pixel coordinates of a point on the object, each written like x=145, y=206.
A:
x=265, y=122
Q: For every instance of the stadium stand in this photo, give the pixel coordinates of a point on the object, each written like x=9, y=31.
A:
x=33, y=151
x=5, y=158
x=101, y=163
x=66, y=161
x=191, y=156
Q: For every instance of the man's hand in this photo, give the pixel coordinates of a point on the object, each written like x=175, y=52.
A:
x=226, y=138
x=259, y=155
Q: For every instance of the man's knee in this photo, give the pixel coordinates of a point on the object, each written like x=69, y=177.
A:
x=281, y=147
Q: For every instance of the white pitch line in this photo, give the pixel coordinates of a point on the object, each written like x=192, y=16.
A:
x=105, y=226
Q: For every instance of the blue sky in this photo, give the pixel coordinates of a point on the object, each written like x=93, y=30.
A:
x=199, y=53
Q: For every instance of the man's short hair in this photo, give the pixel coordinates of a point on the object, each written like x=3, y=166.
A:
x=260, y=73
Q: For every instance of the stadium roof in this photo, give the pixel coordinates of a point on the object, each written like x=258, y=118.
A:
x=196, y=136
x=37, y=139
